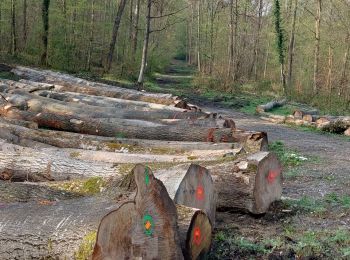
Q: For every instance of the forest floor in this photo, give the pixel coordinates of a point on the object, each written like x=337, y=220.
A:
x=313, y=219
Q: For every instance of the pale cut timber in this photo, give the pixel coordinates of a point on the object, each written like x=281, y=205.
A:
x=24, y=192
x=144, y=228
x=26, y=87
x=91, y=100
x=25, y=164
x=73, y=84
x=188, y=184
x=34, y=103
x=250, y=140
x=49, y=230
x=347, y=132
x=310, y=118
x=99, y=143
x=250, y=183
x=271, y=105
x=299, y=113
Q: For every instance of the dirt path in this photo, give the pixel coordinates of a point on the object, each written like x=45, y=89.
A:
x=326, y=172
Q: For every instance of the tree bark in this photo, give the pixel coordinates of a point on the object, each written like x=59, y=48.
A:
x=115, y=33
x=291, y=46
x=13, y=28
x=145, y=45
x=136, y=29
x=25, y=164
x=317, y=45
x=91, y=39
x=64, y=82
x=250, y=141
x=25, y=36
x=45, y=39
x=62, y=139
x=271, y=105
x=250, y=184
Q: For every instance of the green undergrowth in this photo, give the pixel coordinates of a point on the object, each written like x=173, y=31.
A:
x=8, y=75
x=88, y=186
x=288, y=157
x=290, y=244
x=86, y=247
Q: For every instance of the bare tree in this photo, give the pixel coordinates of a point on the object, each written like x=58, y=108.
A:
x=317, y=44
x=115, y=34
x=291, y=46
x=45, y=18
x=13, y=28
x=92, y=21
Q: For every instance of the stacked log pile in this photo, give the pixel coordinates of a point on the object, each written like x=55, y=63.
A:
x=306, y=117
x=187, y=164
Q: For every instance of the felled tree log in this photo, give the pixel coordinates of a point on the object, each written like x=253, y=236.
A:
x=347, y=132
x=23, y=86
x=25, y=192
x=73, y=84
x=250, y=140
x=25, y=164
x=299, y=113
x=72, y=97
x=250, y=183
x=271, y=105
x=310, y=118
x=338, y=126
x=188, y=185
x=52, y=230
x=63, y=139
x=144, y=228
x=150, y=224
x=33, y=103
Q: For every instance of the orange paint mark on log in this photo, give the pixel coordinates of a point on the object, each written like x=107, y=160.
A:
x=200, y=192
x=148, y=225
x=273, y=174
x=197, y=237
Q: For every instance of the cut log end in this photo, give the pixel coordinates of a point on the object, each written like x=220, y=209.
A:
x=268, y=181
x=195, y=232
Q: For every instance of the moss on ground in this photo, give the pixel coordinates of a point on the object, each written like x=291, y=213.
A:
x=86, y=247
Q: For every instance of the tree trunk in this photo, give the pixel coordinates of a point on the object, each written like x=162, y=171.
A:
x=45, y=18
x=199, y=65
x=49, y=230
x=251, y=183
x=136, y=30
x=91, y=39
x=271, y=105
x=317, y=46
x=291, y=47
x=33, y=103
x=255, y=63
x=188, y=185
x=251, y=141
x=13, y=28
x=145, y=45
x=25, y=7
x=25, y=164
x=62, y=139
x=115, y=33
x=343, y=78
x=65, y=82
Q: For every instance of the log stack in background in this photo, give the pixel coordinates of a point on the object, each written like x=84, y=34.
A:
x=55, y=127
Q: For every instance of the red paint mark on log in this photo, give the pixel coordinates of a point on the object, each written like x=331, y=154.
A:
x=273, y=174
x=200, y=192
x=197, y=237
x=210, y=137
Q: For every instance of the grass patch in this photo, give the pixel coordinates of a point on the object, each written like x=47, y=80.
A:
x=287, y=157
x=86, y=247
x=89, y=186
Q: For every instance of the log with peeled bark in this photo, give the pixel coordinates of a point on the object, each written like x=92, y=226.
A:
x=25, y=164
x=64, y=82
x=188, y=185
x=250, y=183
x=21, y=135
x=55, y=230
x=251, y=141
x=153, y=227
x=271, y=105
x=33, y=103
x=24, y=192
